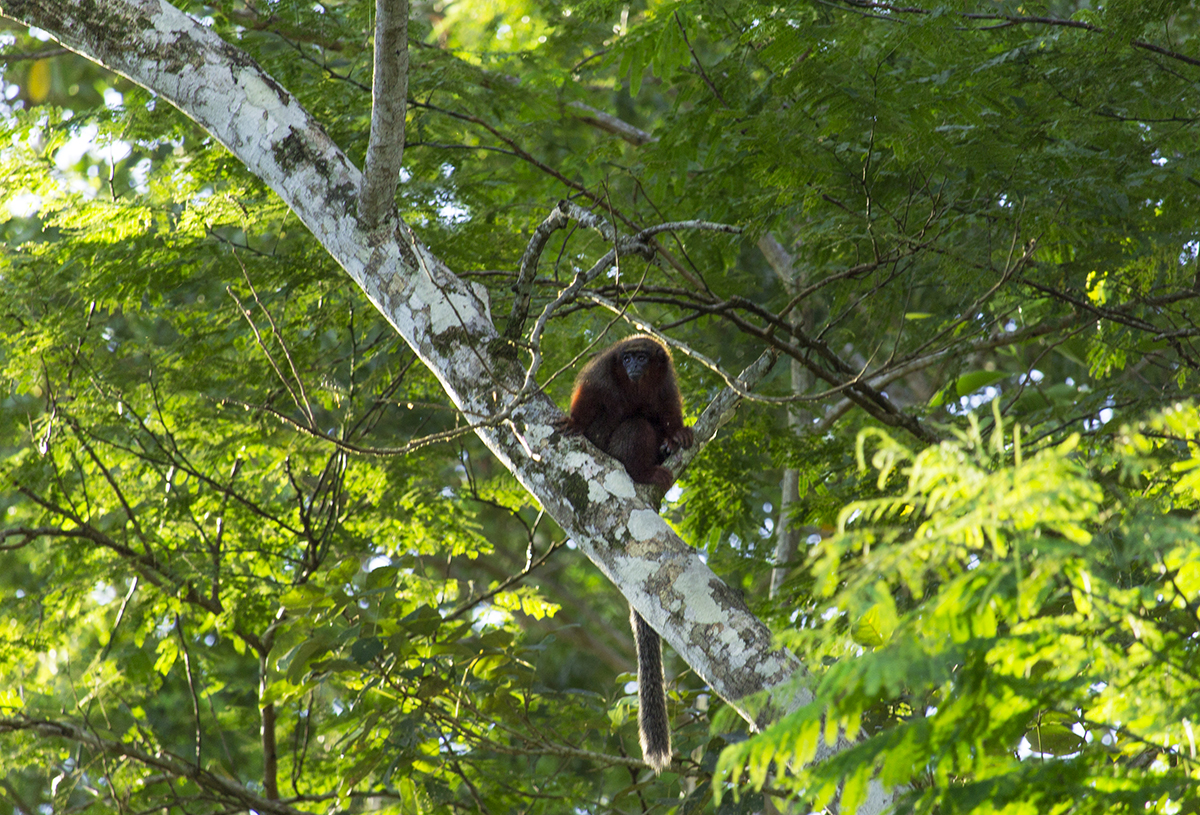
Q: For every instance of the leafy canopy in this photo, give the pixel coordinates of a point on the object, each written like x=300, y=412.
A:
x=250, y=555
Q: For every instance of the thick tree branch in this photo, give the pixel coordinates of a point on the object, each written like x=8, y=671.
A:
x=389, y=92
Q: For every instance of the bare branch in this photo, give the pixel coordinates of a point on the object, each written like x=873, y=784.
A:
x=267, y=732
x=611, y=124
x=699, y=65
x=640, y=244
x=503, y=585
x=721, y=409
x=787, y=532
x=523, y=288
x=45, y=53
x=191, y=681
x=298, y=394
x=29, y=534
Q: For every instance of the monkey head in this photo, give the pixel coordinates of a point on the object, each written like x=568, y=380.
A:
x=637, y=357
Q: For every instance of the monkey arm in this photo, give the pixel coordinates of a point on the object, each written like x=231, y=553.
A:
x=586, y=406
x=670, y=417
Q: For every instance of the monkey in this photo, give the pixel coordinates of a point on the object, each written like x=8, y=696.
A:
x=627, y=403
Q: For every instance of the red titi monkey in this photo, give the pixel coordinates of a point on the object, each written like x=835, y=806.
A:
x=627, y=403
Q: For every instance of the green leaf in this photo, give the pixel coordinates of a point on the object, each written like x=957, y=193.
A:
x=968, y=383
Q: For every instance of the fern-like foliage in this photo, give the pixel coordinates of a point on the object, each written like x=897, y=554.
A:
x=1007, y=632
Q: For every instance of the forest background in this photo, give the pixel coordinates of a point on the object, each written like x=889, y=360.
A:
x=285, y=525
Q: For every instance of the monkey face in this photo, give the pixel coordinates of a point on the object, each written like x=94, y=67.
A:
x=635, y=362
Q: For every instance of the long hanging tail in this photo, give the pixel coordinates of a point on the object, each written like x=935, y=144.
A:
x=654, y=728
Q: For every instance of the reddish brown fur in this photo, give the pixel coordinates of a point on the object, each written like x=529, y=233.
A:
x=637, y=423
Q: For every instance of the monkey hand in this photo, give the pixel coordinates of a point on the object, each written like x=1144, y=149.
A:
x=683, y=437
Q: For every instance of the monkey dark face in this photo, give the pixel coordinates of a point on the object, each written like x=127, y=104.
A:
x=635, y=361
